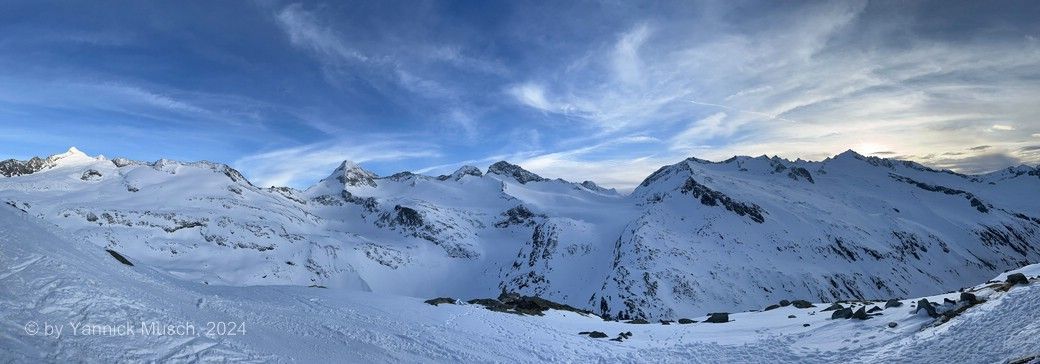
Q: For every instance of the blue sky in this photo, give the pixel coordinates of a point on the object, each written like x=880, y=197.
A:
x=607, y=91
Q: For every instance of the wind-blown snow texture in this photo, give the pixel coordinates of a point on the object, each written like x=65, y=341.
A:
x=694, y=237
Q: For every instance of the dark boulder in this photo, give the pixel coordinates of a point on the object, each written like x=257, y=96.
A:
x=947, y=301
x=686, y=321
x=666, y=322
x=970, y=298
x=802, y=304
x=772, y=307
x=1017, y=278
x=805, y=325
x=718, y=317
x=638, y=321
x=440, y=300
x=597, y=335
x=843, y=313
x=874, y=309
x=923, y=304
x=791, y=316
x=861, y=314
x=892, y=325
x=834, y=306
x=785, y=303
x=893, y=303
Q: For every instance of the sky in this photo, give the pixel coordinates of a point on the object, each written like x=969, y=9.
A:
x=607, y=91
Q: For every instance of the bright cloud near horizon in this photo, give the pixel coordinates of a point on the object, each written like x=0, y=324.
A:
x=598, y=91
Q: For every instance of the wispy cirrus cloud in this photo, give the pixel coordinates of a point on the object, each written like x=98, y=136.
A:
x=299, y=166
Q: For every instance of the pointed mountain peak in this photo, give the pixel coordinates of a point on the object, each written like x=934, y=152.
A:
x=70, y=156
x=351, y=174
x=849, y=154
x=503, y=168
x=466, y=170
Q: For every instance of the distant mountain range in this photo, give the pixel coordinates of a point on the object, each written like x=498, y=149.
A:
x=694, y=237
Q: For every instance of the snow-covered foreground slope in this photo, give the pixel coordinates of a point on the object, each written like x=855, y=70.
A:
x=695, y=237
x=50, y=282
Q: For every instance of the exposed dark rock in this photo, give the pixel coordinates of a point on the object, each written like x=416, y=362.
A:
x=440, y=300
x=90, y=175
x=923, y=304
x=638, y=321
x=12, y=167
x=893, y=303
x=802, y=304
x=523, y=305
x=772, y=307
x=666, y=322
x=842, y=313
x=718, y=317
x=597, y=335
x=969, y=298
x=791, y=316
x=119, y=257
x=861, y=314
x=892, y=324
x=785, y=303
x=805, y=325
x=710, y=197
x=1017, y=278
x=874, y=309
x=521, y=175
x=833, y=306
x=686, y=321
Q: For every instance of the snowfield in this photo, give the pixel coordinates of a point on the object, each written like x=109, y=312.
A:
x=49, y=280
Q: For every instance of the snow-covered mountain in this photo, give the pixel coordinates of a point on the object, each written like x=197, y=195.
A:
x=694, y=237
x=65, y=300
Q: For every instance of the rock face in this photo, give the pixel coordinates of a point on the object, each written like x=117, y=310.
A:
x=521, y=175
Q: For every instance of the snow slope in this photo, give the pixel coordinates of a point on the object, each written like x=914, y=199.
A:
x=695, y=237
x=51, y=280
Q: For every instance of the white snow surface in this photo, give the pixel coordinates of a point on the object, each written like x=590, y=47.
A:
x=51, y=280
x=695, y=237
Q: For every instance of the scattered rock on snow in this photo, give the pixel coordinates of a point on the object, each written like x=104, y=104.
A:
x=893, y=303
x=802, y=304
x=834, y=306
x=842, y=313
x=861, y=314
x=874, y=309
x=785, y=303
x=892, y=324
x=718, y=317
x=638, y=321
x=927, y=307
x=686, y=321
x=1017, y=278
x=969, y=298
x=791, y=316
x=440, y=300
x=772, y=307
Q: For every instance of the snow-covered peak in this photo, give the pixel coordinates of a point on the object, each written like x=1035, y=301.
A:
x=503, y=168
x=351, y=174
x=462, y=171
x=72, y=156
